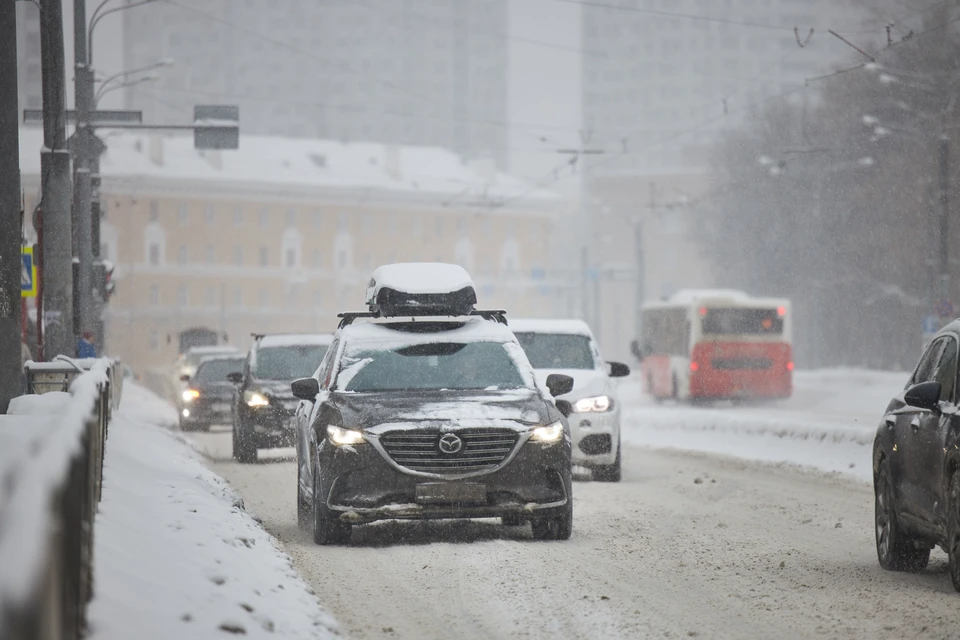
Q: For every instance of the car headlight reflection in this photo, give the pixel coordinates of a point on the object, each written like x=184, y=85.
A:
x=189, y=395
x=254, y=399
x=549, y=433
x=342, y=437
x=596, y=403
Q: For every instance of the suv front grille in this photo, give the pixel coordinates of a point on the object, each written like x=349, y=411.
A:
x=481, y=449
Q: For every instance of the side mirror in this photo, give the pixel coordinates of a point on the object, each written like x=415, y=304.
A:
x=925, y=395
x=564, y=407
x=559, y=384
x=617, y=370
x=235, y=377
x=305, y=388
x=184, y=378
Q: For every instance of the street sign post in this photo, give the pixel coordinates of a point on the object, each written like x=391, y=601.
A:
x=28, y=273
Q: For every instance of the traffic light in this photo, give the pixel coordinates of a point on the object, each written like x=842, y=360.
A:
x=103, y=279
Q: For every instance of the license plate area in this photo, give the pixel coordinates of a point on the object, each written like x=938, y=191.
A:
x=451, y=493
x=220, y=407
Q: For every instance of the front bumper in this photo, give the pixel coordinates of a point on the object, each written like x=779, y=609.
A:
x=207, y=411
x=360, y=485
x=596, y=437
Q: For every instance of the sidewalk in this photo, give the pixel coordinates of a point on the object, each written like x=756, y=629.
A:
x=176, y=554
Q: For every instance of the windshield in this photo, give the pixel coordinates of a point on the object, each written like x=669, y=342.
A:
x=288, y=362
x=557, y=350
x=217, y=370
x=448, y=365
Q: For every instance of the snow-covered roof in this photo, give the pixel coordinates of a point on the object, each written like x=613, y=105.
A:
x=418, y=278
x=543, y=325
x=379, y=334
x=289, y=163
x=213, y=350
x=296, y=339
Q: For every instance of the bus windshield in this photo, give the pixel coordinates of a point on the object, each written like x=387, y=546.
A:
x=742, y=322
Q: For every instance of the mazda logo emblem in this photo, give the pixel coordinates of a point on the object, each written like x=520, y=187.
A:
x=450, y=444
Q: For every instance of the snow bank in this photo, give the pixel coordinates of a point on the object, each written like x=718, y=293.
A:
x=829, y=423
x=176, y=554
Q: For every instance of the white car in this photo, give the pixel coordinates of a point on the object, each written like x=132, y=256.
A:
x=567, y=347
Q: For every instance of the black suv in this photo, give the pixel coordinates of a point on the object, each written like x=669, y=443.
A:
x=915, y=459
x=436, y=415
x=264, y=406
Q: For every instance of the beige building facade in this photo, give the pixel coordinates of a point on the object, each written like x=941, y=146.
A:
x=244, y=256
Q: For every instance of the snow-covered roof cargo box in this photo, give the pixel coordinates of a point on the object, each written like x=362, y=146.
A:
x=421, y=288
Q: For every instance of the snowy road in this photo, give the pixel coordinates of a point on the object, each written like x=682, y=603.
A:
x=688, y=545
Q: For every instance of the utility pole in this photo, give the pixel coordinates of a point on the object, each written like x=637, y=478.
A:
x=944, y=160
x=82, y=182
x=54, y=219
x=10, y=222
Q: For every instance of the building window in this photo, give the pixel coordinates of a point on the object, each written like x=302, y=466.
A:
x=342, y=222
x=210, y=213
x=317, y=261
x=182, y=255
x=439, y=226
x=183, y=295
x=318, y=299
x=211, y=254
x=154, y=254
x=210, y=296
x=238, y=297
x=154, y=295
x=264, y=217
x=238, y=215
x=367, y=223
x=317, y=219
x=154, y=211
x=291, y=217
x=291, y=258
x=264, y=257
x=238, y=256
x=183, y=215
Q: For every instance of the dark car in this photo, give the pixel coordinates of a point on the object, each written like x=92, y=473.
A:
x=208, y=398
x=264, y=405
x=915, y=459
x=431, y=418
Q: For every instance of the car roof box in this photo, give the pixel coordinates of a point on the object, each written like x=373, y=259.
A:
x=421, y=289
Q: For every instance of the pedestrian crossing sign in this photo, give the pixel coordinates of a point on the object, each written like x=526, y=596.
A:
x=28, y=273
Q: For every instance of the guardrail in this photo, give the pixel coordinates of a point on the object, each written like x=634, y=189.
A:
x=51, y=469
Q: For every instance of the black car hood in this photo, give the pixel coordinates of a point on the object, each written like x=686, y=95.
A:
x=381, y=411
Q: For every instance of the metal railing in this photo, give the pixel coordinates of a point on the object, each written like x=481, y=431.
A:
x=49, y=497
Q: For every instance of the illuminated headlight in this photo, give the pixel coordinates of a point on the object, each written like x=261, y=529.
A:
x=596, y=403
x=189, y=395
x=550, y=433
x=342, y=437
x=254, y=399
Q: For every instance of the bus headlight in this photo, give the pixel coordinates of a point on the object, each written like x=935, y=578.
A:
x=596, y=403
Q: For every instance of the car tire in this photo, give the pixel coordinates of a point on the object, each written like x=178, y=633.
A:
x=610, y=472
x=326, y=530
x=556, y=528
x=304, y=511
x=244, y=448
x=896, y=549
x=953, y=531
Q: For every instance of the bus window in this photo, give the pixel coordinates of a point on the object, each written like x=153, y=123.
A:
x=666, y=332
x=732, y=322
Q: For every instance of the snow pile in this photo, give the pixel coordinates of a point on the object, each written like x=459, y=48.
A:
x=829, y=423
x=37, y=447
x=176, y=554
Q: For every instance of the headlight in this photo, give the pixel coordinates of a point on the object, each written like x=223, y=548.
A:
x=254, y=399
x=550, y=433
x=341, y=437
x=596, y=403
x=189, y=395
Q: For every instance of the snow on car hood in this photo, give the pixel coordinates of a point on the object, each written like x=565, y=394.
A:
x=586, y=382
x=386, y=411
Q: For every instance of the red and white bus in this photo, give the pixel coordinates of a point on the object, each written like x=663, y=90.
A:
x=717, y=344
